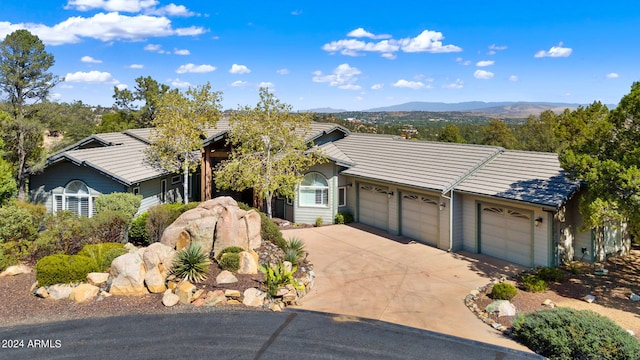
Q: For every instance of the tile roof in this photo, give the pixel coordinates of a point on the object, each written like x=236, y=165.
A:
x=532, y=177
x=420, y=164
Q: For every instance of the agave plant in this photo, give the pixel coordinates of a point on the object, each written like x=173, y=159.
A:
x=294, y=251
x=191, y=264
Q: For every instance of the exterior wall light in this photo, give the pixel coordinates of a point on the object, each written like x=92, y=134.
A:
x=538, y=220
x=442, y=205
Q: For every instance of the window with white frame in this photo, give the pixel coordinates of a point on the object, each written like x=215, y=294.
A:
x=176, y=179
x=136, y=190
x=163, y=191
x=75, y=198
x=342, y=196
x=314, y=190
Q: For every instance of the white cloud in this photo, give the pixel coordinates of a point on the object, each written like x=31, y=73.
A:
x=341, y=76
x=153, y=47
x=513, y=78
x=360, y=32
x=463, y=62
x=483, y=74
x=91, y=77
x=181, y=52
x=132, y=6
x=282, y=71
x=296, y=12
x=90, y=60
x=239, y=69
x=267, y=84
x=377, y=86
x=484, y=63
x=428, y=41
x=415, y=85
x=104, y=27
x=65, y=86
x=458, y=84
x=179, y=83
x=359, y=98
x=612, y=75
x=122, y=86
x=350, y=87
x=136, y=66
x=239, y=83
x=173, y=10
x=54, y=96
x=497, y=47
x=192, y=68
x=555, y=51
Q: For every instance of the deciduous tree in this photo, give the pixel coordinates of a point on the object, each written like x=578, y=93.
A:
x=269, y=151
x=180, y=125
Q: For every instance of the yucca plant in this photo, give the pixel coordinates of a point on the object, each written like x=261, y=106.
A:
x=294, y=251
x=191, y=264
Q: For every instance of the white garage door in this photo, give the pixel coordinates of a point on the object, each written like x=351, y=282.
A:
x=506, y=234
x=420, y=218
x=373, y=208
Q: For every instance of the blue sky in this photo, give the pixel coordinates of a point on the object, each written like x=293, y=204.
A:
x=351, y=55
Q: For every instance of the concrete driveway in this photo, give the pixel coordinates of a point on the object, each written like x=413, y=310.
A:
x=365, y=272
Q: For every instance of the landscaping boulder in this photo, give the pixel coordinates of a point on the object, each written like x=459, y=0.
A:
x=501, y=308
x=215, y=298
x=185, y=291
x=226, y=277
x=248, y=262
x=15, y=270
x=41, y=292
x=237, y=227
x=97, y=278
x=154, y=280
x=84, y=292
x=128, y=274
x=59, y=291
x=254, y=297
x=169, y=298
x=159, y=255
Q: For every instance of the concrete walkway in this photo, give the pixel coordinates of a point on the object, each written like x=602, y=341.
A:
x=364, y=272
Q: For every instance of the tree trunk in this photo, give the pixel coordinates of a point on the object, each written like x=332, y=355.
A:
x=268, y=200
x=22, y=160
x=185, y=183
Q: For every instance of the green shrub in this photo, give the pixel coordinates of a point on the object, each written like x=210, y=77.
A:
x=244, y=206
x=158, y=220
x=6, y=260
x=16, y=224
x=229, y=250
x=563, y=333
x=551, y=274
x=15, y=251
x=109, y=226
x=319, y=221
x=343, y=217
x=125, y=203
x=533, y=283
x=503, y=291
x=138, y=234
x=103, y=253
x=277, y=276
x=291, y=256
x=38, y=212
x=230, y=262
x=269, y=231
x=191, y=264
x=65, y=233
x=64, y=269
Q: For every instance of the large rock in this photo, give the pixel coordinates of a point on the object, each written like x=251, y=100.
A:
x=254, y=297
x=185, y=291
x=226, y=277
x=128, y=273
x=169, y=298
x=501, y=308
x=97, y=278
x=16, y=270
x=84, y=292
x=159, y=255
x=248, y=262
x=214, y=225
x=155, y=281
x=59, y=291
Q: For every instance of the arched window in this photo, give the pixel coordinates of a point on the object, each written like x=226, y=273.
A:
x=76, y=198
x=314, y=190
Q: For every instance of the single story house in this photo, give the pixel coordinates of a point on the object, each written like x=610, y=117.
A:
x=514, y=205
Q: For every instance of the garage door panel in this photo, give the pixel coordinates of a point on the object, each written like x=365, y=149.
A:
x=506, y=234
x=419, y=218
x=373, y=206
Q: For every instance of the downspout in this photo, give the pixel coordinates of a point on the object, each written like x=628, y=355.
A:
x=450, y=219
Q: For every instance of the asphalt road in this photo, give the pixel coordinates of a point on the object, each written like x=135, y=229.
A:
x=239, y=335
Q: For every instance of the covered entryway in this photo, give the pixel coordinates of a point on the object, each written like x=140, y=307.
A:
x=506, y=233
x=373, y=206
x=419, y=218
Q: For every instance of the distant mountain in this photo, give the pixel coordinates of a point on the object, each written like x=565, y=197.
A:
x=501, y=108
x=325, y=110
